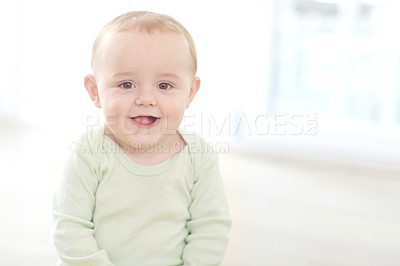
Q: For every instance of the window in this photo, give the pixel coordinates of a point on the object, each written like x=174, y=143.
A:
x=338, y=58
x=339, y=62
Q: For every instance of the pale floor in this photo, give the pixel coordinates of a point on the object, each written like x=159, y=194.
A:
x=285, y=213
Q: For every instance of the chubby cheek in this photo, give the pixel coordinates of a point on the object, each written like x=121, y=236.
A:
x=114, y=110
x=174, y=116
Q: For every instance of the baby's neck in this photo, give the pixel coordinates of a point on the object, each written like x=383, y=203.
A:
x=151, y=153
x=154, y=154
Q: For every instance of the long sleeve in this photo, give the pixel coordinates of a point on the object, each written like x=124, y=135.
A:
x=210, y=221
x=73, y=206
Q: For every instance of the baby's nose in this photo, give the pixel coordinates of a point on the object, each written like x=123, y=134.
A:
x=145, y=97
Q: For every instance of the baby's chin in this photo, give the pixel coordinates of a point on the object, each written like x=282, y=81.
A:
x=144, y=139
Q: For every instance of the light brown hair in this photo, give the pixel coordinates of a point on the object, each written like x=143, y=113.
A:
x=147, y=22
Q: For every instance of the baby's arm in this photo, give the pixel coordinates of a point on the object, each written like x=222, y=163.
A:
x=73, y=207
x=210, y=218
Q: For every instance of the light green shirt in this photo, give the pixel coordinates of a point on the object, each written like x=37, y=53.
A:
x=109, y=210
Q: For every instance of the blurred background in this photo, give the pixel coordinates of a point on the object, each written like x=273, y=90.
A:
x=301, y=98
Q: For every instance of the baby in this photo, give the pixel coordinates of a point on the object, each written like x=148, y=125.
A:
x=136, y=189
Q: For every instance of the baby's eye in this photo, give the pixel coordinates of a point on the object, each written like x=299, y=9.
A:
x=127, y=85
x=164, y=86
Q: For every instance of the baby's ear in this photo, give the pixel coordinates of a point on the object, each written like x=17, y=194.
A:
x=92, y=89
x=193, y=90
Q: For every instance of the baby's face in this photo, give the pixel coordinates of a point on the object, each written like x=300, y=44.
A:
x=145, y=82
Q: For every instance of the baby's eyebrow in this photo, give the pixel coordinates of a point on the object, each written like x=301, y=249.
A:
x=125, y=73
x=169, y=75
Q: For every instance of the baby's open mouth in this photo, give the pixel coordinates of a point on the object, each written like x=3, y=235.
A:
x=145, y=121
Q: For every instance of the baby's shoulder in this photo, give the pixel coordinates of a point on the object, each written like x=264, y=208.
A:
x=196, y=143
x=200, y=151
x=90, y=141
